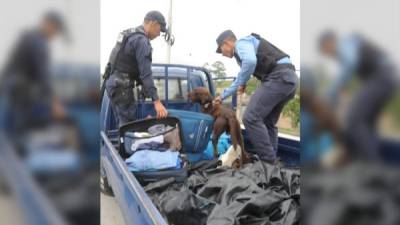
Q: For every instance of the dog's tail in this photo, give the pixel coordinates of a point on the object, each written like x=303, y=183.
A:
x=236, y=133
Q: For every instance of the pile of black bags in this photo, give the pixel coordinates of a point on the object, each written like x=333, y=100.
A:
x=258, y=194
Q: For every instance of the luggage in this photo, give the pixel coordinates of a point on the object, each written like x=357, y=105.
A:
x=141, y=126
x=196, y=130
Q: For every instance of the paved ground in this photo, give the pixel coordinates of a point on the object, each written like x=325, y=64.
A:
x=109, y=211
x=9, y=210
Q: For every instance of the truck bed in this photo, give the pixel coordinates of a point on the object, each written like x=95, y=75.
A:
x=135, y=204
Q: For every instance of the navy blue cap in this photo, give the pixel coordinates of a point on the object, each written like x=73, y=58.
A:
x=328, y=35
x=157, y=16
x=221, y=38
x=57, y=19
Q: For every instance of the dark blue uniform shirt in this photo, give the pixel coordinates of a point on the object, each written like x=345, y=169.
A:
x=140, y=46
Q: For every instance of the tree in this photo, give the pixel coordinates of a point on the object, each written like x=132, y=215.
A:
x=217, y=69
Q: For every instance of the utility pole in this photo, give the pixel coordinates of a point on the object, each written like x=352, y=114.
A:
x=170, y=31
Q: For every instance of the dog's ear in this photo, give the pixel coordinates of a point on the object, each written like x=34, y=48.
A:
x=205, y=98
x=193, y=96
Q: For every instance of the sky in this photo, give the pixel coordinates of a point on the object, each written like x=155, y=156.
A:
x=377, y=21
x=197, y=23
x=81, y=18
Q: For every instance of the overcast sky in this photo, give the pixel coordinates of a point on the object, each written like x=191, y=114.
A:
x=196, y=24
x=82, y=20
x=377, y=21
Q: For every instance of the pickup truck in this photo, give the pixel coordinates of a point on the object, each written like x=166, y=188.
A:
x=173, y=83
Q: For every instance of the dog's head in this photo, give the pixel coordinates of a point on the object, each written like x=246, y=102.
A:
x=201, y=95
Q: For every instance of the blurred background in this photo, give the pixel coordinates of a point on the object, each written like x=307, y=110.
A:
x=350, y=107
x=49, y=82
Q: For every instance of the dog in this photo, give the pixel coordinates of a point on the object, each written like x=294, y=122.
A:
x=225, y=120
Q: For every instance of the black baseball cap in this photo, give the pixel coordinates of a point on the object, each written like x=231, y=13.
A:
x=57, y=19
x=157, y=16
x=221, y=38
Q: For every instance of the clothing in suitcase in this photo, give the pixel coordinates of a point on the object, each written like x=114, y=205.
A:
x=152, y=149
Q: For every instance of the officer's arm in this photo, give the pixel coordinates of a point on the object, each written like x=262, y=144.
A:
x=348, y=55
x=247, y=54
x=143, y=57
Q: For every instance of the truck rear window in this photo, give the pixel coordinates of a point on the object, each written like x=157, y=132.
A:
x=177, y=89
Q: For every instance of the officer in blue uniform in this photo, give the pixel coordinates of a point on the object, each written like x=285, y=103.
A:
x=362, y=59
x=274, y=69
x=130, y=65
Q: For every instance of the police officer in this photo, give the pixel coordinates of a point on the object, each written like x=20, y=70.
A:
x=274, y=69
x=26, y=79
x=130, y=64
x=359, y=57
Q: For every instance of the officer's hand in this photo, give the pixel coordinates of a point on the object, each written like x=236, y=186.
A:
x=160, y=109
x=241, y=89
x=58, y=110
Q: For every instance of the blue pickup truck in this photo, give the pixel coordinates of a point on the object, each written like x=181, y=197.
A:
x=173, y=83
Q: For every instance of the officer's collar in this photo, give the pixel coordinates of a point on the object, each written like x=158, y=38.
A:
x=140, y=29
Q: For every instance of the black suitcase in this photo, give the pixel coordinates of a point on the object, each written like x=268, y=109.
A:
x=145, y=177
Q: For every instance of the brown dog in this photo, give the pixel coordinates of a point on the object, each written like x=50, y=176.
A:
x=225, y=121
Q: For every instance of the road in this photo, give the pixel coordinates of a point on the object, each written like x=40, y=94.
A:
x=10, y=212
x=110, y=213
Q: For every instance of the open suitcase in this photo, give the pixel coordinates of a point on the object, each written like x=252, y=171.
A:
x=194, y=131
x=145, y=177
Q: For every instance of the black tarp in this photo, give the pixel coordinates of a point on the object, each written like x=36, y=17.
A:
x=258, y=194
x=360, y=193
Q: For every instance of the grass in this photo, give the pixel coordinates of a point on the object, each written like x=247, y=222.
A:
x=292, y=131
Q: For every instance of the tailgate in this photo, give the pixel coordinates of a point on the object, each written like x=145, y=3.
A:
x=135, y=205
x=33, y=202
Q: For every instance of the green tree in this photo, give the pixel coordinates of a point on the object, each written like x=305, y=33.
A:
x=217, y=69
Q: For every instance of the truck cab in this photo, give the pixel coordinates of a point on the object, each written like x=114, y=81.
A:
x=173, y=83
